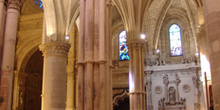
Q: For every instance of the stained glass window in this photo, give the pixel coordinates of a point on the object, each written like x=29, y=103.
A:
x=123, y=49
x=175, y=40
x=39, y=3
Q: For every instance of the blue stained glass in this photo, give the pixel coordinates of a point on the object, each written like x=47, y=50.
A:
x=123, y=49
x=39, y=3
x=175, y=40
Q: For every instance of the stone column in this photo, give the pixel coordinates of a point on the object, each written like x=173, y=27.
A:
x=136, y=71
x=54, y=75
x=2, y=26
x=94, y=89
x=212, y=23
x=9, y=53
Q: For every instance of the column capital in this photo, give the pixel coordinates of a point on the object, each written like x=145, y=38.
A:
x=15, y=4
x=55, y=49
x=136, y=43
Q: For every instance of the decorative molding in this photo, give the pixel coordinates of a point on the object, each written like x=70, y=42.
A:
x=55, y=48
x=196, y=106
x=120, y=96
x=186, y=88
x=195, y=81
x=158, y=89
x=166, y=80
x=131, y=43
x=171, y=101
x=30, y=24
x=15, y=4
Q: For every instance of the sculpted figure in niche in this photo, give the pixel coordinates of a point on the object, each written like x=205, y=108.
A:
x=172, y=95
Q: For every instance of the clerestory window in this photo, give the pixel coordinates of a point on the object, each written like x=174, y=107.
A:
x=123, y=49
x=175, y=40
x=39, y=3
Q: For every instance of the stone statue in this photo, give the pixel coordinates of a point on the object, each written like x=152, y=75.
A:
x=172, y=95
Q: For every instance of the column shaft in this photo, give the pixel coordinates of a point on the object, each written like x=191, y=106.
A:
x=71, y=72
x=2, y=25
x=7, y=67
x=93, y=60
x=81, y=57
x=70, y=91
x=136, y=74
x=54, y=75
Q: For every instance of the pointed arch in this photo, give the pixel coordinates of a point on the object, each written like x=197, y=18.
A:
x=160, y=22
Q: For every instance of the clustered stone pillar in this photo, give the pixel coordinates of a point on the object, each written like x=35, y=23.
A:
x=54, y=75
x=7, y=68
x=212, y=23
x=136, y=71
x=94, y=89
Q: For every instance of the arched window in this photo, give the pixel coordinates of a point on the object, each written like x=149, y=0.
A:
x=175, y=40
x=39, y=3
x=123, y=49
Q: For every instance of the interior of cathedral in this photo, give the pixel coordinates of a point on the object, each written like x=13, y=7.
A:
x=109, y=55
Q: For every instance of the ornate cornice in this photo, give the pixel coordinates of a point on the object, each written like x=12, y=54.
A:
x=15, y=4
x=55, y=49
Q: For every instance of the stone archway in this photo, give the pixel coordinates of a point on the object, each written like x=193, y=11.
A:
x=121, y=101
x=30, y=83
x=33, y=82
x=122, y=104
